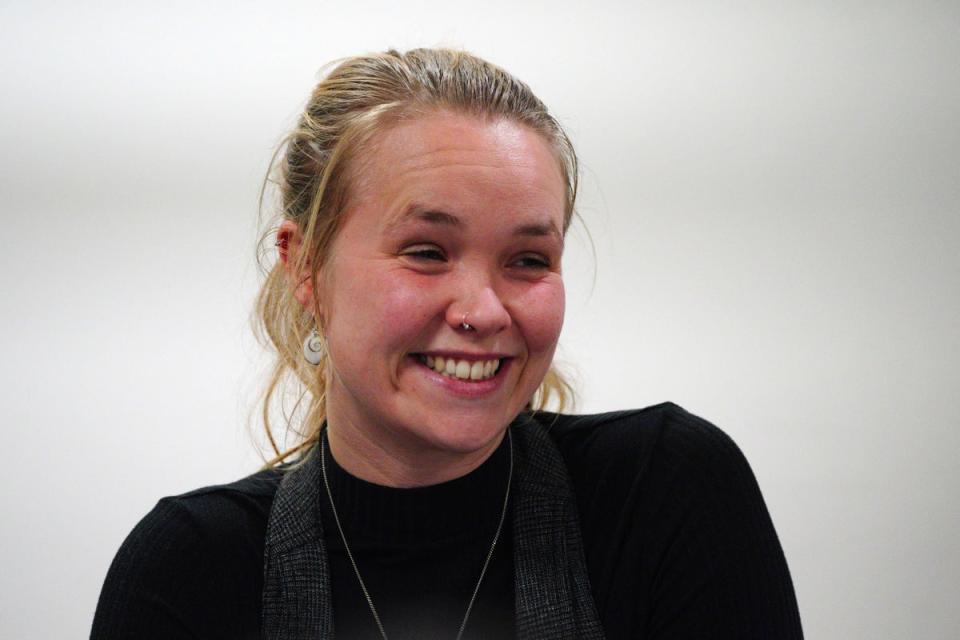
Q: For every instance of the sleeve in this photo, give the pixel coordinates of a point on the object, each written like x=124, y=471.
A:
x=719, y=570
x=176, y=577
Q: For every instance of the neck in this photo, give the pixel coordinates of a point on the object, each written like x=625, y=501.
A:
x=391, y=461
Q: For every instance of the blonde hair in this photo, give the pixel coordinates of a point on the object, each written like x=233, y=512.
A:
x=310, y=172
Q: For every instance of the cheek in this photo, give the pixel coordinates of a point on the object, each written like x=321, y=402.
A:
x=406, y=309
x=366, y=299
x=540, y=315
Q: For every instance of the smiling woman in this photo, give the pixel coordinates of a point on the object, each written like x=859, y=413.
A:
x=438, y=236
x=416, y=301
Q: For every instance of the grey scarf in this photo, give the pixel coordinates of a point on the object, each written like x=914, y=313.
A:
x=552, y=589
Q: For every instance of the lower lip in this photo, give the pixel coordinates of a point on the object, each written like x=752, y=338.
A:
x=467, y=388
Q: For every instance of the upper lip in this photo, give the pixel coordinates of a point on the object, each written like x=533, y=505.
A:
x=463, y=355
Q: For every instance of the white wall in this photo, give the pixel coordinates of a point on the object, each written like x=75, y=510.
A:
x=774, y=194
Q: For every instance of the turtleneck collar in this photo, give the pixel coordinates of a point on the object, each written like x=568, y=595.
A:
x=465, y=506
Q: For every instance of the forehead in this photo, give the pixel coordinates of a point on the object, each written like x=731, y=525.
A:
x=460, y=161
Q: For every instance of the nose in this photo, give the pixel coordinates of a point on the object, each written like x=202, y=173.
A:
x=482, y=310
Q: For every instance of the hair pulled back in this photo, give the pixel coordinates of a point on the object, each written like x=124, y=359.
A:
x=310, y=173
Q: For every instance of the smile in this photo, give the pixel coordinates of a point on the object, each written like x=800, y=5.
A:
x=461, y=369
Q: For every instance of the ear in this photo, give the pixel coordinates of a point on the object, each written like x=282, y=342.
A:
x=289, y=245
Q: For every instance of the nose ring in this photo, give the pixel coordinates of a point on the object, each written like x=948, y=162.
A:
x=465, y=325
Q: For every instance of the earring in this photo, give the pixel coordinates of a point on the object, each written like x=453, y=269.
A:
x=313, y=351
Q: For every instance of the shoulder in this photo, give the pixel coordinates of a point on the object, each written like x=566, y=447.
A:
x=224, y=515
x=194, y=560
x=648, y=463
x=636, y=424
x=214, y=522
x=676, y=534
x=222, y=508
x=640, y=441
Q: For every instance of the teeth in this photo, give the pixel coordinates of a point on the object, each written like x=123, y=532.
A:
x=462, y=369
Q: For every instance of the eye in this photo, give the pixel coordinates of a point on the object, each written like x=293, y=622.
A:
x=532, y=261
x=425, y=252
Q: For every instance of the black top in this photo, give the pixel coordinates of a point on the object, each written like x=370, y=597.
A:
x=677, y=538
x=420, y=553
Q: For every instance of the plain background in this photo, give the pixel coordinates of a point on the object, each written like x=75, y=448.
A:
x=773, y=190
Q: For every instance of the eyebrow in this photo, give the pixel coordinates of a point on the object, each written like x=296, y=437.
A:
x=537, y=230
x=424, y=214
x=434, y=216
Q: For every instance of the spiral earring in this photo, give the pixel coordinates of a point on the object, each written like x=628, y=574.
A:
x=313, y=350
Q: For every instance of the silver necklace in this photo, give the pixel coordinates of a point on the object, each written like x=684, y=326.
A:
x=353, y=563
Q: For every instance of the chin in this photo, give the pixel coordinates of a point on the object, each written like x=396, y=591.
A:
x=466, y=435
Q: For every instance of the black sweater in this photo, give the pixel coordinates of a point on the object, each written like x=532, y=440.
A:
x=677, y=538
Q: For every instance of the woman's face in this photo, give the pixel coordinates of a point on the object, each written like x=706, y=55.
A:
x=450, y=216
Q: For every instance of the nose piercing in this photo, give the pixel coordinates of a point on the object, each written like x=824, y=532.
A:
x=465, y=325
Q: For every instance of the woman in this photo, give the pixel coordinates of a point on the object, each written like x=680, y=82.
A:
x=418, y=299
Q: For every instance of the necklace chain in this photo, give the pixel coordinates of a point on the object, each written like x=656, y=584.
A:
x=353, y=563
